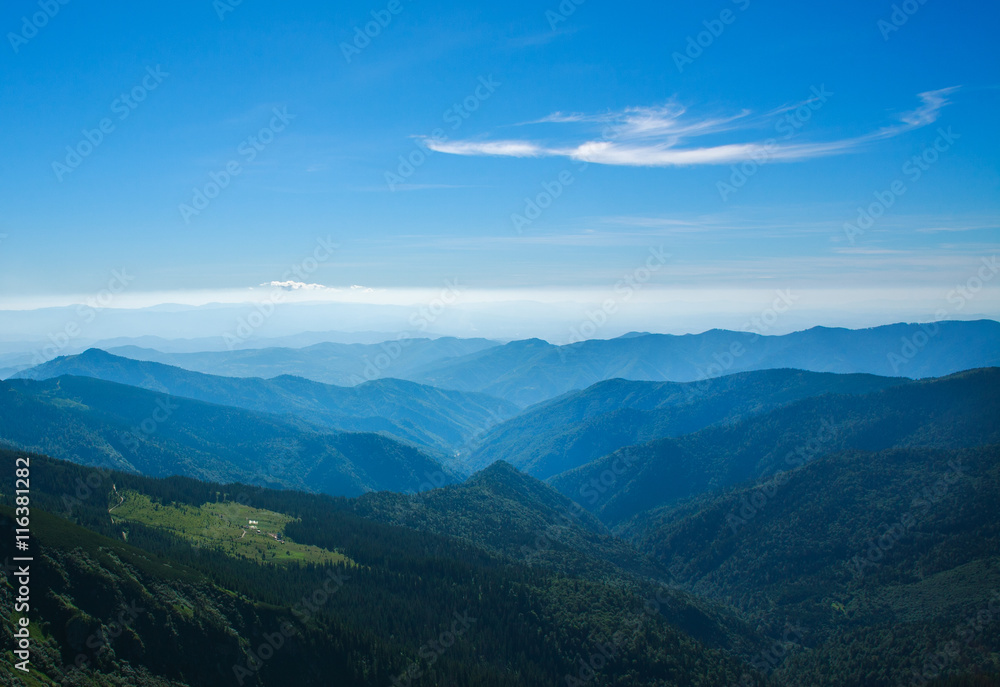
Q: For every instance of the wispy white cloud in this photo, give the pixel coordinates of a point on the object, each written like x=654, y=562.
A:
x=927, y=113
x=859, y=250
x=662, y=137
x=957, y=227
x=479, y=148
x=562, y=118
x=644, y=122
x=536, y=39
x=656, y=222
x=411, y=187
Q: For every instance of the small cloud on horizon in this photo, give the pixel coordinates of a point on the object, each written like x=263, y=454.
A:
x=296, y=286
x=303, y=286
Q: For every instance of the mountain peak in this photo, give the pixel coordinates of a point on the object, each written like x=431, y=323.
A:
x=98, y=353
x=498, y=472
x=529, y=343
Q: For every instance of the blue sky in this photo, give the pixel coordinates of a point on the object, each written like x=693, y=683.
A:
x=497, y=103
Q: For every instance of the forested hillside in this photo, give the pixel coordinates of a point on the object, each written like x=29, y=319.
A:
x=206, y=611
x=882, y=558
x=101, y=423
x=951, y=412
x=814, y=530
x=573, y=430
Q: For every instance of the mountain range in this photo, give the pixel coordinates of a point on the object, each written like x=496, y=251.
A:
x=531, y=371
x=433, y=418
x=579, y=427
x=515, y=514
x=331, y=363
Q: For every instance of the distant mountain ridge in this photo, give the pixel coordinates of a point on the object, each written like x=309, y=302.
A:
x=218, y=343
x=433, y=418
x=331, y=363
x=531, y=371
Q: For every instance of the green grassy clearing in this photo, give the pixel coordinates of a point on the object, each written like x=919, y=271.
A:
x=236, y=529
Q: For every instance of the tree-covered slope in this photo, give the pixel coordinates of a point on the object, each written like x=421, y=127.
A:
x=414, y=606
x=951, y=412
x=102, y=423
x=579, y=427
x=517, y=516
x=883, y=559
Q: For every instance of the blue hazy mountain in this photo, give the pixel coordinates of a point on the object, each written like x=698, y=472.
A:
x=531, y=371
x=433, y=418
x=332, y=363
